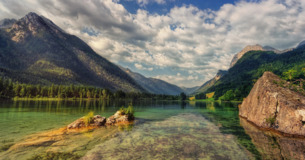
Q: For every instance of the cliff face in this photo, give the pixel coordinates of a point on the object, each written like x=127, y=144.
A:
x=270, y=106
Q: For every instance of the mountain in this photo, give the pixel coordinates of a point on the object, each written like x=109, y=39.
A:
x=240, y=78
x=301, y=44
x=248, y=48
x=6, y=23
x=190, y=90
x=211, y=82
x=256, y=47
x=35, y=50
x=235, y=59
x=153, y=85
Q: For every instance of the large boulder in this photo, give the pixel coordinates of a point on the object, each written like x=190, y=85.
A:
x=271, y=106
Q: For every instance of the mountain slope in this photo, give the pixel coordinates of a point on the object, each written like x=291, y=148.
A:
x=241, y=77
x=35, y=50
x=256, y=47
x=153, y=85
x=203, y=89
x=189, y=91
x=211, y=82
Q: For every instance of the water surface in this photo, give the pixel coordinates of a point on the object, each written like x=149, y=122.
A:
x=162, y=130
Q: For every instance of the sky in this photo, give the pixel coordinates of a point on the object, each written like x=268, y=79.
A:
x=184, y=42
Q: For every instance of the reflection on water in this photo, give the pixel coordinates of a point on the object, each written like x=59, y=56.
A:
x=163, y=130
x=274, y=146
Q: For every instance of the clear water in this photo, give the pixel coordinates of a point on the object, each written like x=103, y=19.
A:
x=162, y=130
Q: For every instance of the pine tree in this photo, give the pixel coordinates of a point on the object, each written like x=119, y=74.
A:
x=88, y=94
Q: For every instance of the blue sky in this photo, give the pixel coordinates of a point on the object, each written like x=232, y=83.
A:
x=184, y=42
x=162, y=8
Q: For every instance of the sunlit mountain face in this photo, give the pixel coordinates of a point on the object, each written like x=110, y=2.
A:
x=181, y=42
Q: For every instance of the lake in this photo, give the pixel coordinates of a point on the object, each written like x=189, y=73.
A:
x=162, y=130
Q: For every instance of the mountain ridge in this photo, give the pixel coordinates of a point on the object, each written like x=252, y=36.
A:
x=154, y=85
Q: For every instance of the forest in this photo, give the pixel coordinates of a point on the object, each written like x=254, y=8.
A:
x=10, y=89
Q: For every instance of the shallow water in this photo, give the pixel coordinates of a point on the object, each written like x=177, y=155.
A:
x=162, y=130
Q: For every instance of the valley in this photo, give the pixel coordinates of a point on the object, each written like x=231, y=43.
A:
x=50, y=78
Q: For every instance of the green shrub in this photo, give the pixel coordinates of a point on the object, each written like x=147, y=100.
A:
x=88, y=118
x=271, y=120
x=129, y=111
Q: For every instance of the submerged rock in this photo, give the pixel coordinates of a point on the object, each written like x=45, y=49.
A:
x=271, y=106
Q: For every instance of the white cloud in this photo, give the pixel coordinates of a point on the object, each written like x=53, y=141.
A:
x=187, y=40
x=141, y=67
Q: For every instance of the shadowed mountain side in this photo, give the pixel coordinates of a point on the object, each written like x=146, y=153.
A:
x=154, y=85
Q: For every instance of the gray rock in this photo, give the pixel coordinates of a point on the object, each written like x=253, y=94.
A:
x=100, y=121
x=111, y=120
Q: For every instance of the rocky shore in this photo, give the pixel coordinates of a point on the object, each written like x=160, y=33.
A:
x=271, y=106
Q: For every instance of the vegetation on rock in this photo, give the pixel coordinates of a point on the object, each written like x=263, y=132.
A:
x=88, y=118
x=129, y=111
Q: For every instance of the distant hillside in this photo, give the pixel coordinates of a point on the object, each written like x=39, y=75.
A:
x=153, y=85
x=190, y=90
x=34, y=50
x=211, y=82
x=241, y=77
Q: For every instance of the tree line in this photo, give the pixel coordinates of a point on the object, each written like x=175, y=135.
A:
x=10, y=89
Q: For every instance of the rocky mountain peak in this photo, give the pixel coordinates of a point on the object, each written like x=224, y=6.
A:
x=32, y=24
x=248, y=48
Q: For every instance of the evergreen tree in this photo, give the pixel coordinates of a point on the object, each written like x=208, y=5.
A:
x=22, y=91
x=88, y=94
x=17, y=89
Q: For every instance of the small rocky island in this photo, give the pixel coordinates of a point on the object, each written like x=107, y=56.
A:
x=122, y=116
x=272, y=106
